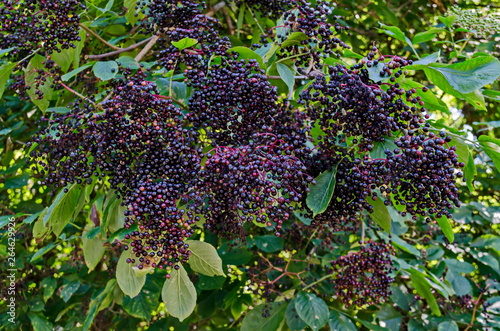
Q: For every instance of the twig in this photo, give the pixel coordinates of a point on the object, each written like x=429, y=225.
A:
x=229, y=22
x=121, y=50
x=296, y=77
x=76, y=93
x=469, y=326
x=6, y=209
x=218, y=6
x=147, y=48
x=98, y=36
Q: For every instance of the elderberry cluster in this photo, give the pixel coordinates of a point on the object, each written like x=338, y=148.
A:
x=363, y=278
x=254, y=183
x=28, y=25
x=271, y=8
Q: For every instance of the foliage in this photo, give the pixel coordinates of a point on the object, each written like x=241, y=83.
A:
x=250, y=164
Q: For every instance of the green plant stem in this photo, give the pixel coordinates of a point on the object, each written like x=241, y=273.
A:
x=317, y=282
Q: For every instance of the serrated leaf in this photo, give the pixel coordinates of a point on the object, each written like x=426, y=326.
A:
x=321, y=193
x=423, y=288
x=127, y=279
x=42, y=251
x=5, y=72
x=204, y=258
x=143, y=305
x=255, y=321
x=472, y=74
x=460, y=284
x=491, y=146
x=459, y=266
x=184, y=43
x=445, y=226
x=75, y=72
x=312, y=310
x=340, y=322
x=269, y=243
x=93, y=249
x=286, y=75
x=293, y=321
x=247, y=53
x=294, y=38
x=380, y=214
x=448, y=326
x=96, y=303
x=395, y=32
x=105, y=70
x=36, y=63
x=130, y=14
x=179, y=294
x=39, y=323
x=68, y=290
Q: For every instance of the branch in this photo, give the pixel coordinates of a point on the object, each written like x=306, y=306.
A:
x=147, y=48
x=97, y=36
x=121, y=50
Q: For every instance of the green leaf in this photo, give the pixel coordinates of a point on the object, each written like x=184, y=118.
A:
x=448, y=20
x=380, y=214
x=48, y=285
x=431, y=58
x=294, y=38
x=42, y=251
x=491, y=146
x=58, y=110
x=5, y=72
x=105, y=70
x=39, y=322
x=130, y=14
x=75, y=72
x=68, y=290
x=459, y=266
x=255, y=321
x=293, y=320
x=127, y=279
x=445, y=226
x=143, y=305
x=460, y=284
x=64, y=58
x=96, y=303
x=184, y=43
x=423, y=288
x=36, y=63
x=6, y=51
x=93, y=249
x=431, y=101
x=247, y=53
x=63, y=209
x=490, y=94
x=470, y=75
x=475, y=98
x=210, y=283
x=286, y=75
x=204, y=258
x=448, y=326
x=321, y=193
x=269, y=243
x=340, y=322
x=179, y=294
x=371, y=326
x=394, y=32
x=425, y=36
x=312, y=310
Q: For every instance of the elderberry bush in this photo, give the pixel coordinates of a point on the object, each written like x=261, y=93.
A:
x=291, y=176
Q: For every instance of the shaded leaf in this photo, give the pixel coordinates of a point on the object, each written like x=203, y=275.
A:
x=127, y=279
x=105, y=70
x=321, y=193
x=312, y=310
x=255, y=321
x=340, y=322
x=179, y=294
x=204, y=258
